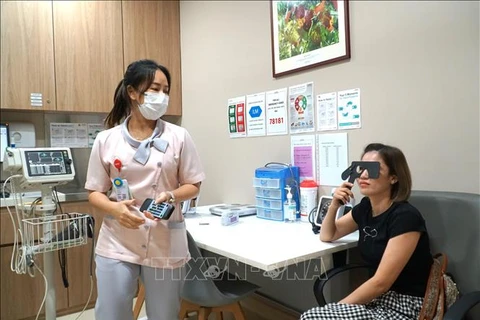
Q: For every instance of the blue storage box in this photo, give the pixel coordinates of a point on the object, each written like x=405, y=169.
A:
x=275, y=178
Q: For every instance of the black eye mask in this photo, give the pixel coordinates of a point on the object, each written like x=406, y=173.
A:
x=357, y=167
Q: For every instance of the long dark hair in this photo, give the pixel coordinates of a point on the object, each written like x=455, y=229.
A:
x=398, y=166
x=139, y=75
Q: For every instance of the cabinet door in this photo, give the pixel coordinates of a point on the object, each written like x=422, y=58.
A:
x=151, y=30
x=22, y=295
x=27, y=55
x=7, y=233
x=79, y=258
x=88, y=54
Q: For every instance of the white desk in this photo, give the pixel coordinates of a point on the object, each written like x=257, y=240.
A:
x=264, y=244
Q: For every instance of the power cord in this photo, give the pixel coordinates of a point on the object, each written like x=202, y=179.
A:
x=62, y=253
x=89, y=297
x=311, y=219
x=33, y=205
x=91, y=225
x=46, y=289
x=18, y=261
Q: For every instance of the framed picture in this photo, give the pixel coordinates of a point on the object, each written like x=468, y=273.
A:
x=308, y=34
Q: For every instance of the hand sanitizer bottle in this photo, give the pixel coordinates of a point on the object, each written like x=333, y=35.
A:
x=289, y=207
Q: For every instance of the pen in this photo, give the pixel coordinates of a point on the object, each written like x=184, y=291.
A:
x=203, y=223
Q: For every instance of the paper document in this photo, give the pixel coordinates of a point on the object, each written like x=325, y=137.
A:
x=327, y=111
x=301, y=108
x=93, y=130
x=256, y=115
x=303, y=155
x=349, y=116
x=277, y=112
x=333, y=157
x=236, y=117
x=73, y=135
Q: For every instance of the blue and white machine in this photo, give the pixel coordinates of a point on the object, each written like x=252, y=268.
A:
x=270, y=194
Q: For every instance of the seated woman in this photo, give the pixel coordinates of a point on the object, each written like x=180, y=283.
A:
x=393, y=241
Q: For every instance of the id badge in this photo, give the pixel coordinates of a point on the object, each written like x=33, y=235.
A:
x=121, y=189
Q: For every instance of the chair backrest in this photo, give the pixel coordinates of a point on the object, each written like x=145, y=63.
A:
x=199, y=288
x=192, y=247
x=453, y=224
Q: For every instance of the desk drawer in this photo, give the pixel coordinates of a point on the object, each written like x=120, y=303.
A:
x=270, y=214
x=269, y=204
x=266, y=183
x=268, y=193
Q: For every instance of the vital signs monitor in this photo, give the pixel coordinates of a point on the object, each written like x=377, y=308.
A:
x=5, y=139
x=40, y=165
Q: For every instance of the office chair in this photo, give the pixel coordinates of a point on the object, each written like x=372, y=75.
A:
x=206, y=295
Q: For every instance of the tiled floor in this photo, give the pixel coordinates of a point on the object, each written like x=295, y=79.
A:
x=267, y=314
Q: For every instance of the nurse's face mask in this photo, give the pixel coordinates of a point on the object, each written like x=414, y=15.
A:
x=154, y=105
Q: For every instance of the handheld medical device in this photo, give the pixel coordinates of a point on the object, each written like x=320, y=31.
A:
x=356, y=169
x=161, y=210
x=38, y=230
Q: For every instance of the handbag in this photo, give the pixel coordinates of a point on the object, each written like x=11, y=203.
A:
x=441, y=291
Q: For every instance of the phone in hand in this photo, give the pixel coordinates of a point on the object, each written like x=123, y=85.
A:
x=161, y=210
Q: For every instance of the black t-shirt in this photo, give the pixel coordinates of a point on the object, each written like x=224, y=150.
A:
x=375, y=232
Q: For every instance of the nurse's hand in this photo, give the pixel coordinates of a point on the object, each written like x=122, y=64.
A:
x=161, y=198
x=123, y=215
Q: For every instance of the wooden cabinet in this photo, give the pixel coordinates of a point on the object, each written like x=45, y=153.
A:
x=74, y=53
x=27, y=56
x=21, y=294
x=151, y=30
x=88, y=54
x=6, y=227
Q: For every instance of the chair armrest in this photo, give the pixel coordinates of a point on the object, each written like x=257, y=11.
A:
x=328, y=275
x=460, y=308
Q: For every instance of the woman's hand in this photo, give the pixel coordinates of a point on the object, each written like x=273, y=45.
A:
x=343, y=194
x=123, y=215
x=163, y=197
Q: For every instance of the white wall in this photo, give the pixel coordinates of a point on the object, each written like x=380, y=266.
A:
x=417, y=64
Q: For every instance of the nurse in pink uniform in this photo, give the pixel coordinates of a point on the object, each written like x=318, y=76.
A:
x=157, y=160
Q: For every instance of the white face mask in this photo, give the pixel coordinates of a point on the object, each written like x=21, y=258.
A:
x=154, y=105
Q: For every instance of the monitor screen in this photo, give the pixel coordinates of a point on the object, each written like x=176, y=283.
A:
x=47, y=162
x=5, y=139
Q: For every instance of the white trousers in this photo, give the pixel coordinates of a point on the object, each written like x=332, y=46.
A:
x=117, y=285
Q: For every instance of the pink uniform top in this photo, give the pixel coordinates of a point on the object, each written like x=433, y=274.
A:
x=160, y=244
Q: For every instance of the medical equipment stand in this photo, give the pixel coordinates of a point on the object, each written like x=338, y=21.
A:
x=48, y=206
x=43, y=232
x=52, y=227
